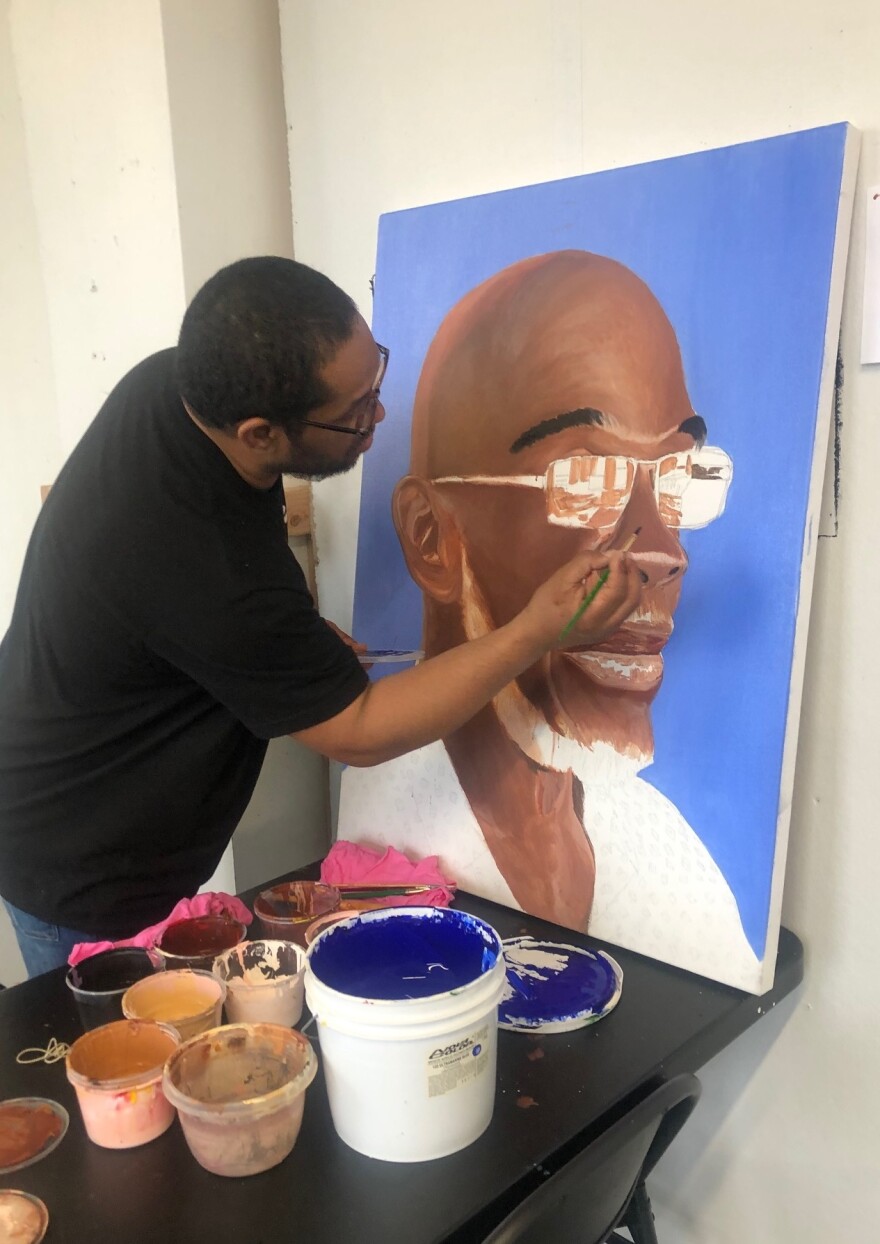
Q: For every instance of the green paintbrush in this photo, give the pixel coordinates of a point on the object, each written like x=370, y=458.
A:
x=590, y=597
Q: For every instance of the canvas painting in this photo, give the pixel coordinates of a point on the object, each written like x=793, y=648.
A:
x=641, y=357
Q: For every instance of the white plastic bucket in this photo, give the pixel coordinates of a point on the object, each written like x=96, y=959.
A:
x=409, y=1077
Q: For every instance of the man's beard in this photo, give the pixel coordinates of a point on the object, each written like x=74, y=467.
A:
x=306, y=464
x=526, y=726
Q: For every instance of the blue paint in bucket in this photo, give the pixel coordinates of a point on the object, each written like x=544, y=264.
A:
x=422, y=951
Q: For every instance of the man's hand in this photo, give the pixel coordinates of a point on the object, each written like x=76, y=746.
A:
x=556, y=602
x=345, y=637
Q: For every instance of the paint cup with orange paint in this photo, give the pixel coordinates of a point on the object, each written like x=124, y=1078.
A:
x=190, y=1000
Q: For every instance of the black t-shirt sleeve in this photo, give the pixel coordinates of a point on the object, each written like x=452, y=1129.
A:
x=261, y=649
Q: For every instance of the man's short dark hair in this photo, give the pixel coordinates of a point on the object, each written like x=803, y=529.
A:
x=254, y=339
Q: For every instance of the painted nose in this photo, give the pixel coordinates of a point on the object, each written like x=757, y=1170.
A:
x=657, y=550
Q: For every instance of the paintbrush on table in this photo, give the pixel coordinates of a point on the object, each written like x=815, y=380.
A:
x=386, y=891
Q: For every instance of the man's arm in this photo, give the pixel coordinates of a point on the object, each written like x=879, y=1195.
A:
x=433, y=699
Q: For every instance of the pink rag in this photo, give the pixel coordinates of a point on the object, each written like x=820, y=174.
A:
x=202, y=905
x=348, y=863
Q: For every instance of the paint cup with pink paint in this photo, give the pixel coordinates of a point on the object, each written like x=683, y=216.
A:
x=240, y=1093
x=116, y=1071
x=264, y=982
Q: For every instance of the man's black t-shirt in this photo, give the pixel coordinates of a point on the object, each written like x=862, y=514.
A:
x=162, y=633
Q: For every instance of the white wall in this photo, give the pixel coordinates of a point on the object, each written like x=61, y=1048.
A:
x=142, y=147
x=97, y=126
x=27, y=398
x=393, y=104
x=228, y=132
x=229, y=139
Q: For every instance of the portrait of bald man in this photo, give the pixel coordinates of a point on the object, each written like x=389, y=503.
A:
x=552, y=415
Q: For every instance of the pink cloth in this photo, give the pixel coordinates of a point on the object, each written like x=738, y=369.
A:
x=348, y=863
x=202, y=905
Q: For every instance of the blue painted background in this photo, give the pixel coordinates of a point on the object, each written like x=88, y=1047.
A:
x=737, y=244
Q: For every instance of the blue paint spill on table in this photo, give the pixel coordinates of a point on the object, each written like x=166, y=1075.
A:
x=556, y=988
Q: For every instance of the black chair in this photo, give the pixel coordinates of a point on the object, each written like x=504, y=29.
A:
x=603, y=1186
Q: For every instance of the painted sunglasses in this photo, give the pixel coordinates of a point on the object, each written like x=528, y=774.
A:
x=593, y=490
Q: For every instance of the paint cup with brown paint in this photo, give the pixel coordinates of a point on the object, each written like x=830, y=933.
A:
x=323, y=922
x=264, y=982
x=197, y=941
x=117, y=1074
x=190, y=1000
x=286, y=910
x=240, y=1094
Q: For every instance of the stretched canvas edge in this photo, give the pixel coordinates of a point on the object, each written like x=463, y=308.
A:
x=846, y=200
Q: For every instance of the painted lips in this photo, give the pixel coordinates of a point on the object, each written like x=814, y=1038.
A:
x=630, y=658
x=619, y=670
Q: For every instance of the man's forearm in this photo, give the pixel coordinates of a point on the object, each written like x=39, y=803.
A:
x=431, y=700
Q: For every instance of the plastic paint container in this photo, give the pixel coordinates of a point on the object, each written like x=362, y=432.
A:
x=24, y=1219
x=286, y=910
x=264, y=982
x=406, y=1001
x=117, y=1073
x=190, y=1000
x=98, y=983
x=240, y=1093
x=30, y=1128
x=318, y=926
x=196, y=942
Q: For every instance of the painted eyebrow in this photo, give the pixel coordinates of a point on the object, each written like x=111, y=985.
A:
x=694, y=426
x=548, y=427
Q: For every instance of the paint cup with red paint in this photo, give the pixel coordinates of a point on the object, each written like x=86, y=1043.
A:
x=197, y=941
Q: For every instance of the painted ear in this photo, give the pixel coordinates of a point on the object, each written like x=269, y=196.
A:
x=429, y=538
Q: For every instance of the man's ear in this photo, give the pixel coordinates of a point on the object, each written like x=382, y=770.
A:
x=429, y=537
x=258, y=435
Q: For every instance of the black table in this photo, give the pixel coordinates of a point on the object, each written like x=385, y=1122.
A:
x=667, y=1021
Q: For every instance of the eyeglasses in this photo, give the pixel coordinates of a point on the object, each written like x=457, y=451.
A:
x=362, y=414
x=593, y=490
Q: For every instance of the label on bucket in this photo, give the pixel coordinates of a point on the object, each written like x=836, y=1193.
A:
x=451, y=1066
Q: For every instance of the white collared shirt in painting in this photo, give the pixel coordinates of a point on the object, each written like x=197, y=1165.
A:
x=658, y=890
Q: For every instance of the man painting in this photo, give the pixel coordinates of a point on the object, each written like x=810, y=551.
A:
x=552, y=416
x=161, y=638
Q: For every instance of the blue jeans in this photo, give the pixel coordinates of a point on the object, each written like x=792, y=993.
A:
x=43, y=946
